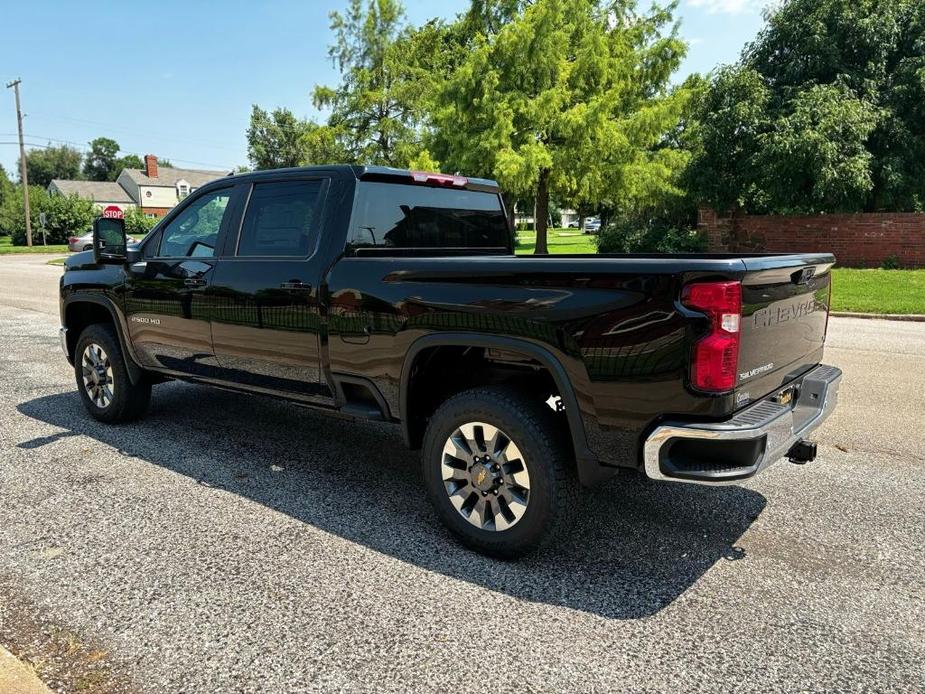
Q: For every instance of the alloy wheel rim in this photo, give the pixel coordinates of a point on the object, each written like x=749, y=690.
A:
x=96, y=371
x=485, y=476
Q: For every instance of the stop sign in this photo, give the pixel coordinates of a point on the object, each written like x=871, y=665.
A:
x=113, y=212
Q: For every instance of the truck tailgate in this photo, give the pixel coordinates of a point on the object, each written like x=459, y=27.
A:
x=785, y=306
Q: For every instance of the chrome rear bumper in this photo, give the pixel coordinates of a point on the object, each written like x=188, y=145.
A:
x=740, y=447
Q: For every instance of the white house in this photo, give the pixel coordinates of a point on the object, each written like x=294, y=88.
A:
x=155, y=190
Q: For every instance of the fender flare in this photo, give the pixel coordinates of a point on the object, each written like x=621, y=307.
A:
x=587, y=462
x=135, y=372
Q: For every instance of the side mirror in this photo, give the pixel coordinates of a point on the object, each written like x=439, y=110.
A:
x=109, y=240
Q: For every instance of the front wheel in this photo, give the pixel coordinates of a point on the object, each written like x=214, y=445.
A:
x=105, y=388
x=498, y=472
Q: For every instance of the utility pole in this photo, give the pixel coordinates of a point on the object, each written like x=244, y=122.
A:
x=22, y=162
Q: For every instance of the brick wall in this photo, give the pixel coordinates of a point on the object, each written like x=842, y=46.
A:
x=156, y=211
x=857, y=240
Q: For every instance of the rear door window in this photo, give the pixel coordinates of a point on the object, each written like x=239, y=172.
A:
x=395, y=216
x=282, y=219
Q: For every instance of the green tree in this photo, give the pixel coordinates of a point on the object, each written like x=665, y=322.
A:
x=133, y=161
x=376, y=109
x=822, y=113
x=817, y=152
x=102, y=160
x=730, y=117
x=7, y=191
x=103, y=163
x=277, y=139
x=570, y=98
x=43, y=165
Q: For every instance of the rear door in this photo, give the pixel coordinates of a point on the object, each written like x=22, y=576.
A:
x=785, y=305
x=166, y=306
x=266, y=319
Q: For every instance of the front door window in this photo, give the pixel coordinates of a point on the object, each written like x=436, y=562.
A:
x=193, y=233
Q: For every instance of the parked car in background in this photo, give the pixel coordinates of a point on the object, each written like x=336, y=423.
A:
x=85, y=242
x=592, y=225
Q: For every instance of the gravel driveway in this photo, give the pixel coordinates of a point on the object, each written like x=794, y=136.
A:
x=234, y=543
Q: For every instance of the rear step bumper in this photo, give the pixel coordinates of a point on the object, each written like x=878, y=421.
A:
x=740, y=447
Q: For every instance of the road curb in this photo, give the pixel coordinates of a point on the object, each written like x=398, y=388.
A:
x=18, y=678
x=911, y=317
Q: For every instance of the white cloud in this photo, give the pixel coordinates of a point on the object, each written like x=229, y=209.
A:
x=728, y=6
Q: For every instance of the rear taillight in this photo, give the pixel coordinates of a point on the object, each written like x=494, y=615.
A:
x=716, y=356
x=72, y=239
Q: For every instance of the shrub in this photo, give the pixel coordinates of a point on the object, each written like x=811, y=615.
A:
x=136, y=224
x=66, y=215
x=633, y=235
x=891, y=262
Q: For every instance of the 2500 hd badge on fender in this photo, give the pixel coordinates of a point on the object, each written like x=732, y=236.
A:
x=395, y=295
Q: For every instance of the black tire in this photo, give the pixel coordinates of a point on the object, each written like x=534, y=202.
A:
x=553, y=490
x=88, y=247
x=127, y=401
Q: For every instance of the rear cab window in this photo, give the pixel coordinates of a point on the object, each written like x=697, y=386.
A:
x=389, y=218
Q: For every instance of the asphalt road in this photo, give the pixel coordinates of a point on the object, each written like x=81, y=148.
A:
x=231, y=543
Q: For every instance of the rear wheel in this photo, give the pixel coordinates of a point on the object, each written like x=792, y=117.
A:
x=498, y=472
x=102, y=377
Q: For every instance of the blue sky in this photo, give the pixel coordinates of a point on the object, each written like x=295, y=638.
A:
x=178, y=79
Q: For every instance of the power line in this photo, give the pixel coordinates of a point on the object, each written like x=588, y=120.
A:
x=86, y=147
x=162, y=136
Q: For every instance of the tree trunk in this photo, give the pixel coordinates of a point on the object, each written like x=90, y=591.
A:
x=509, y=201
x=541, y=216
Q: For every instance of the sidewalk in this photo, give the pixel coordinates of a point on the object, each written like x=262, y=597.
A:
x=17, y=677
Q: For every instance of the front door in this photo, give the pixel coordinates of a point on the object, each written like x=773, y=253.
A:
x=266, y=322
x=166, y=304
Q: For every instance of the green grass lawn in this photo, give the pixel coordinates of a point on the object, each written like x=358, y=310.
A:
x=6, y=246
x=878, y=291
x=558, y=240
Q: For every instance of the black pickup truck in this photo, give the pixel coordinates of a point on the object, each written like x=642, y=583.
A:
x=395, y=295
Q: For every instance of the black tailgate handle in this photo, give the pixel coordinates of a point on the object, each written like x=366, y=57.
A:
x=803, y=275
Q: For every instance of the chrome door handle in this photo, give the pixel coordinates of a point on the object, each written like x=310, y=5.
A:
x=295, y=284
x=194, y=282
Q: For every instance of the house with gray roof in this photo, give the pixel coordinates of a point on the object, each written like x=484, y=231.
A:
x=154, y=190
x=103, y=193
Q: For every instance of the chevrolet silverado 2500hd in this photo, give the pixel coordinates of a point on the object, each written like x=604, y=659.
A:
x=395, y=295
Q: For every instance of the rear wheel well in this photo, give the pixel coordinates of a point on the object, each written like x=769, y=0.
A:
x=80, y=314
x=440, y=372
